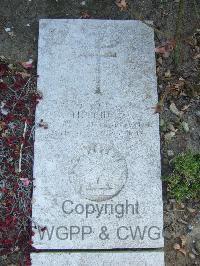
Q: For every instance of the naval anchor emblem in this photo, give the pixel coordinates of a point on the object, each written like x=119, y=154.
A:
x=99, y=172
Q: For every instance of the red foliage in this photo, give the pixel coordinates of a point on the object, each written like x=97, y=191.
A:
x=3, y=86
x=27, y=260
x=3, y=69
x=16, y=202
x=19, y=82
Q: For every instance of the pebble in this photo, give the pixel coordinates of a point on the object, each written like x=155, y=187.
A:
x=171, y=127
x=7, y=29
x=169, y=136
x=185, y=127
x=174, y=109
x=192, y=256
x=160, y=60
x=189, y=228
x=172, y=201
x=191, y=210
x=195, y=252
x=183, y=222
x=3, y=110
x=163, y=126
x=182, y=205
x=197, y=246
x=168, y=74
x=162, y=122
x=177, y=246
x=170, y=153
x=198, y=113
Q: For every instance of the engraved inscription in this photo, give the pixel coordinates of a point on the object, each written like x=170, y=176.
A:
x=83, y=114
x=99, y=172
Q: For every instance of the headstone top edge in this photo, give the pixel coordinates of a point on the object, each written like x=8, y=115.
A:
x=57, y=20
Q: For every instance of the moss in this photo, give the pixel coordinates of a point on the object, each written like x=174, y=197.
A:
x=184, y=182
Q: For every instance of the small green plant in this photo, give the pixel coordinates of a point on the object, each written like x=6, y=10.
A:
x=184, y=182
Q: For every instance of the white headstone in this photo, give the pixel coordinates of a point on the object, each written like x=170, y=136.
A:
x=97, y=166
x=146, y=258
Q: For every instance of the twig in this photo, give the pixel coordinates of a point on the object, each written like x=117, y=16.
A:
x=32, y=133
x=21, y=148
x=17, y=99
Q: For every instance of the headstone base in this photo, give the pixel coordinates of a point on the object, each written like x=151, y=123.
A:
x=124, y=258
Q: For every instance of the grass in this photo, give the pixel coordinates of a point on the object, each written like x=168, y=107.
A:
x=184, y=182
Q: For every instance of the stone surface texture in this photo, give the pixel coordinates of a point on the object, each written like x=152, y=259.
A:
x=100, y=259
x=102, y=147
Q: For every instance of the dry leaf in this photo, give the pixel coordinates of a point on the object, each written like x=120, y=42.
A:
x=122, y=4
x=197, y=56
x=25, y=181
x=5, y=134
x=11, y=66
x=39, y=94
x=28, y=64
x=191, y=210
x=168, y=74
x=192, y=256
x=2, y=57
x=185, y=107
x=172, y=128
x=158, y=108
x=24, y=74
x=177, y=246
x=85, y=15
x=183, y=251
x=160, y=60
x=11, y=34
x=182, y=221
x=185, y=126
x=174, y=109
x=180, y=83
x=183, y=240
x=194, y=251
x=175, y=88
x=169, y=135
x=166, y=48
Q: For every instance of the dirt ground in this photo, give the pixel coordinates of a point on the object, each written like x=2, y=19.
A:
x=18, y=41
